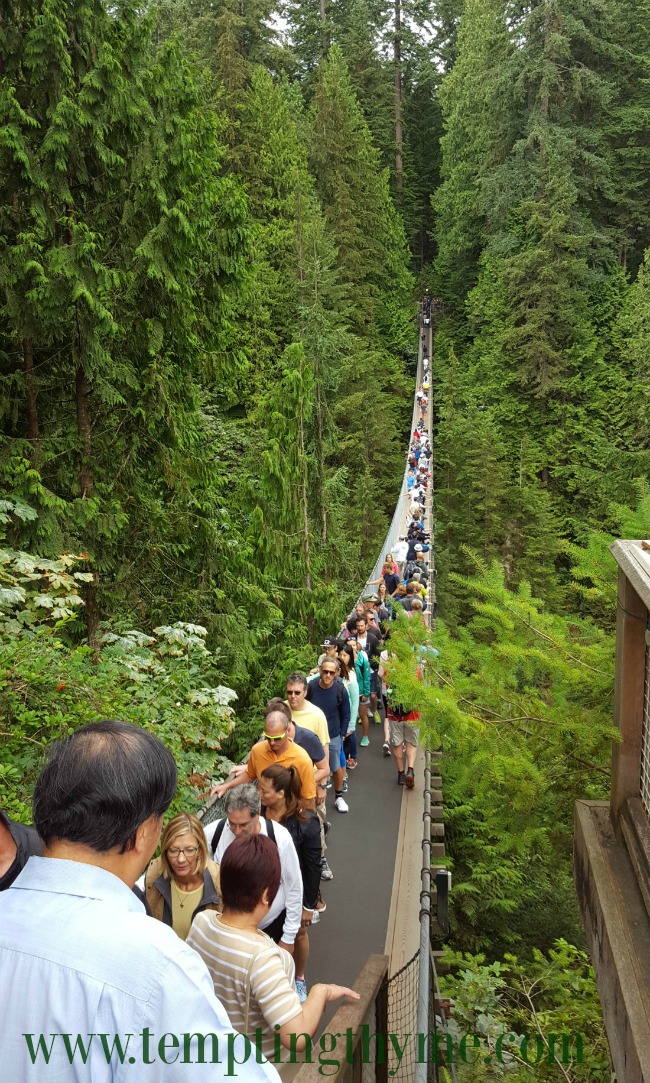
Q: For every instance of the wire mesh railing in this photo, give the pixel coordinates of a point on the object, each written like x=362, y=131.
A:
x=416, y=1011
x=402, y=1019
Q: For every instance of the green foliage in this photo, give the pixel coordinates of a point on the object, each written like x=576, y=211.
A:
x=165, y=682
x=539, y=189
x=550, y=993
x=476, y=137
x=520, y=698
x=206, y=315
x=594, y=578
x=124, y=243
x=34, y=589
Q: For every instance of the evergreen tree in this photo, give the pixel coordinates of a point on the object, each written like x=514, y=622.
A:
x=478, y=115
x=521, y=698
x=633, y=354
x=373, y=263
x=124, y=243
x=355, y=197
x=357, y=33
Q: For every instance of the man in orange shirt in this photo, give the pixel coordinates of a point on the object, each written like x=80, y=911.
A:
x=277, y=747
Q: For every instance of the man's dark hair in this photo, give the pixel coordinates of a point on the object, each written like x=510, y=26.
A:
x=296, y=678
x=101, y=783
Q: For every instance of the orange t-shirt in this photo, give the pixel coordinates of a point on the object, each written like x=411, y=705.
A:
x=294, y=756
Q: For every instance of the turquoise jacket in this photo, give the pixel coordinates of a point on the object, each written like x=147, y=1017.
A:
x=352, y=685
x=362, y=670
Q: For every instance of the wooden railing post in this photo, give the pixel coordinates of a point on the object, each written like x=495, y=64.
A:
x=381, y=1026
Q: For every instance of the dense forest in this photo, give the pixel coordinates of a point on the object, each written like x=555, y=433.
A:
x=216, y=221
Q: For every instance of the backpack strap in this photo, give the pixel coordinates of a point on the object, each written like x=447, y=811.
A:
x=216, y=838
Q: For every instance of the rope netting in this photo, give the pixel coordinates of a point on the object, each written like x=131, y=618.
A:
x=402, y=1024
x=402, y=1019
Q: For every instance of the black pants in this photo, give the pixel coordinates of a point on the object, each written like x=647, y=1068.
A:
x=275, y=929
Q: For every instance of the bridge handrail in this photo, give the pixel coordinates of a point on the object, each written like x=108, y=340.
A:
x=372, y=1009
x=398, y=522
x=395, y=528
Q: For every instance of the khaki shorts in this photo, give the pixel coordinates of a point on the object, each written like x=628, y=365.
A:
x=403, y=731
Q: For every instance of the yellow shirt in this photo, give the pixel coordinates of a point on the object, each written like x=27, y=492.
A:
x=294, y=756
x=312, y=718
x=184, y=903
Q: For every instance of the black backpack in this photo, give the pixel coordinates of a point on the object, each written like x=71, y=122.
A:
x=216, y=838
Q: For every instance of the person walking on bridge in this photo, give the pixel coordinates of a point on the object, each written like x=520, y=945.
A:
x=330, y=694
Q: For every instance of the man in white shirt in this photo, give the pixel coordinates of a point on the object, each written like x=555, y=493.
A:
x=400, y=549
x=90, y=985
x=243, y=806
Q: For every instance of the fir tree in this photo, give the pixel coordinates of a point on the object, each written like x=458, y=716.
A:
x=124, y=242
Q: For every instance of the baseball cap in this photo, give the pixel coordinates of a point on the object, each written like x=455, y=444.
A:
x=330, y=641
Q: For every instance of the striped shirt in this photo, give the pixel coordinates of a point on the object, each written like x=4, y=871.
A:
x=236, y=959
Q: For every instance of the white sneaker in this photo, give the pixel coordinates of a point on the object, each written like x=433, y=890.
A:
x=341, y=805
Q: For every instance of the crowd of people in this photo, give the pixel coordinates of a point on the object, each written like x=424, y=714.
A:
x=213, y=937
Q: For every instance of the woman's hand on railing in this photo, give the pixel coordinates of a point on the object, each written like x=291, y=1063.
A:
x=336, y=992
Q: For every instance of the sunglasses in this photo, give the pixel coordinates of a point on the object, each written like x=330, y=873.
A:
x=328, y=672
x=280, y=737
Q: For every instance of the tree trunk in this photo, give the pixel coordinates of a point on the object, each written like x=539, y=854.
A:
x=320, y=455
x=309, y=620
x=83, y=428
x=397, y=60
x=305, y=515
x=30, y=396
x=324, y=41
x=93, y=615
x=85, y=488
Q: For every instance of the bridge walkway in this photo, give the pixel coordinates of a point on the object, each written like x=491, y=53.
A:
x=375, y=850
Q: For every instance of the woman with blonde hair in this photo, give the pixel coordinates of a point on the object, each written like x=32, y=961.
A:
x=417, y=606
x=183, y=880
